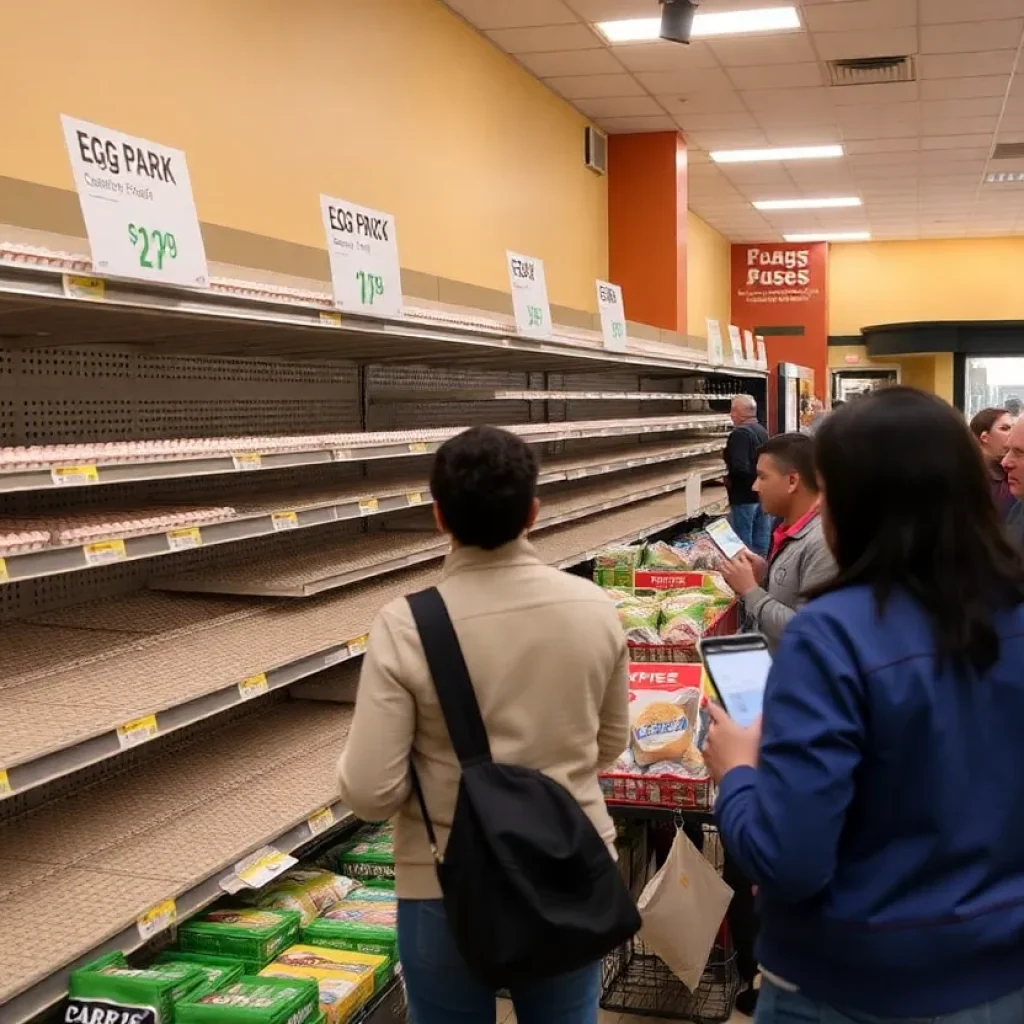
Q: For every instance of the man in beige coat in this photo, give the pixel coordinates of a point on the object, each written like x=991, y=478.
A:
x=549, y=665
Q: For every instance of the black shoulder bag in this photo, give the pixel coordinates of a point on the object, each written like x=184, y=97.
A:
x=529, y=887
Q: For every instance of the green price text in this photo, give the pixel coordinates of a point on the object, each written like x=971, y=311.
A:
x=618, y=329
x=536, y=315
x=156, y=245
x=370, y=286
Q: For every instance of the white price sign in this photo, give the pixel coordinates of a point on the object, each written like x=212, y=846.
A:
x=529, y=296
x=693, y=495
x=762, y=355
x=363, y=246
x=613, y=316
x=716, y=351
x=137, y=204
x=736, y=345
x=748, y=348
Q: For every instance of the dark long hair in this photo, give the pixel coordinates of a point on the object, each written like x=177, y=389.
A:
x=910, y=506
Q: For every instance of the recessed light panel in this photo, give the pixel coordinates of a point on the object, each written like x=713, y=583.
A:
x=836, y=203
x=831, y=236
x=717, y=23
x=746, y=156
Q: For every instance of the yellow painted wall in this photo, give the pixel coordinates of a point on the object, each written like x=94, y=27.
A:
x=709, y=287
x=932, y=373
x=894, y=282
x=394, y=104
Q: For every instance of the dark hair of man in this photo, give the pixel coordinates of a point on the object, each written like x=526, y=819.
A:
x=910, y=508
x=985, y=420
x=484, y=481
x=793, y=453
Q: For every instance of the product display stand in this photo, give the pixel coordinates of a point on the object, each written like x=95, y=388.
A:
x=205, y=499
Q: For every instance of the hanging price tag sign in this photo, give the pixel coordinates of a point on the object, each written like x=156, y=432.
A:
x=321, y=821
x=137, y=204
x=157, y=919
x=693, y=495
x=735, y=345
x=365, y=272
x=613, y=316
x=263, y=866
x=529, y=296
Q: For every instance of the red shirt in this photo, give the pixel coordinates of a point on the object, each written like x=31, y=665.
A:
x=783, y=533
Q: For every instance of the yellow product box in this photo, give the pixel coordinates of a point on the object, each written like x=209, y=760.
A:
x=347, y=980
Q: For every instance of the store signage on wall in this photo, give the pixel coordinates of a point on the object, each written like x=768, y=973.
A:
x=613, y=316
x=529, y=296
x=776, y=274
x=136, y=198
x=366, y=276
x=716, y=353
x=736, y=345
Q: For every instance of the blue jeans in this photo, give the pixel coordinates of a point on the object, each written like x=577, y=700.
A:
x=753, y=526
x=442, y=991
x=774, y=1006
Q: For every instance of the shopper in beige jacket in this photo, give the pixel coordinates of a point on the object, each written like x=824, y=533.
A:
x=548, y=662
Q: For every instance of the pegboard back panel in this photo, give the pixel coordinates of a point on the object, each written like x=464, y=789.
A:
x=52, y=396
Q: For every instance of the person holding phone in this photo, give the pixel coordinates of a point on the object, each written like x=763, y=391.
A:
x=876, y=805
x=799, y=559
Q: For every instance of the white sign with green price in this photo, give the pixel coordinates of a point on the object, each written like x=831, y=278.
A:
x=137, y=204
x=529, y=296
x=613, y=316
x=365, y=273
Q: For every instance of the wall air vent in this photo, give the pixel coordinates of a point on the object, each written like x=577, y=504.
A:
x=872, y=71
x=1008, y=151
x=595, y=150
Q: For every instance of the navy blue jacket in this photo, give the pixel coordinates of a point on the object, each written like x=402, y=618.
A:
x=885, y=824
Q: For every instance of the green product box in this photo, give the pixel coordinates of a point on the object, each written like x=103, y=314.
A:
x=182, y=956
x=217, y=975
x=248, y=934
x=125, y=995
x=369, y=854
x=365, y=921
x=255, y=1001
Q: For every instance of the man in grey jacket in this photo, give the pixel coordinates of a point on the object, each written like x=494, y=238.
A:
x=800, y=559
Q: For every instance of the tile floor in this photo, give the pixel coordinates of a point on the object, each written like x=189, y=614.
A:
x=507, y=1016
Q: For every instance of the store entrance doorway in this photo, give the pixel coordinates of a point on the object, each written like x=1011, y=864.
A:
x=993, y=382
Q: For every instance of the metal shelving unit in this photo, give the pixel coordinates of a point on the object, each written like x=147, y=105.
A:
x=150, y=734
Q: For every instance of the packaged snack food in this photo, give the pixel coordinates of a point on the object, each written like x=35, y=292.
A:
x=346, y=980
x=614, y=566
x=254, y=1001
x=128, y=995
x=369, y=854
x=663, y=556
x=365, y=921
x=699, y=552
x=639, y=619
x=217, y=975
x=663, y=714
x=307, y=891
x=686, y=616
x=253, y=936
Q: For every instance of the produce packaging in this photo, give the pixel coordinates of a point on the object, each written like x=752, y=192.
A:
x=128, y=995
x=614, y=566
x=367, y=855
x=253, y=936
x=365, y=921
x=254, y=1001
x=307, y=891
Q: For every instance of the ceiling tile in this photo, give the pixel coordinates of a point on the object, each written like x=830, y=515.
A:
x=544, y=40
x=889, y=92
x=711, y=140
x=571, y=62
x=630, y=106
x=485, y=14
x=636, y=125
x=966, y=65
x=772, y=76
x=984, y=108
x=955, y=142
x=861, y=15
x=685, y=80
x=804, y=101
x=665, y=56
x=578, y=87
x=959, y=126
x=865, y=43
x=692, y=122
x=724, y=102
x=785, y=48
x=934, y=12
x=965, y=88
x=900, y=145
x=604, y=10
x=796, y=135
x=971, y=36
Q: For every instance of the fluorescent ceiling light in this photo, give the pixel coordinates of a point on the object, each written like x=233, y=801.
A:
x=807, y=204
x=747, y=156
x=720, y=23
x=831, y=236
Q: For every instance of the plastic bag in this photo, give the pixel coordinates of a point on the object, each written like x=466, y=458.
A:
x=682, y=909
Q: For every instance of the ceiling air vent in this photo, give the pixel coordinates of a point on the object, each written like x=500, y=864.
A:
x=595, y=150
x=1008, y=151
x=872, y=71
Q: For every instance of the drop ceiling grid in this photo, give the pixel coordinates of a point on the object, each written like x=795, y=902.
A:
x=917, y=151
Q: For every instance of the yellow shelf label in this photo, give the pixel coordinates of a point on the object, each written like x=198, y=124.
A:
x=414, y=498
x=369, y=506
x=6, y=789
x=357, y=646
x=247, y=463
x=343, y=455
x=184, y=539
x=330, y=319
x=104, y=552
x=137, y=731
x=263, y=866
x=74, y=476
x=285, y=521
x=321, y=821
x=92, y=289
x=254, y=686
x=157, y=919
x=418, y=447
x=4, y=574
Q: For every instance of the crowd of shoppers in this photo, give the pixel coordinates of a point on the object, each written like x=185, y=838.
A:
x=875, y=807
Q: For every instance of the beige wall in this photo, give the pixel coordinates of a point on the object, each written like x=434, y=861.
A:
x=708, y=276
x=393, y=104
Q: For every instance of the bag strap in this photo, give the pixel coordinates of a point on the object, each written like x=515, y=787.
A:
x=451, y=678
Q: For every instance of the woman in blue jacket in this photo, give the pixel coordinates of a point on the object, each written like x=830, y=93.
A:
x=879, y=806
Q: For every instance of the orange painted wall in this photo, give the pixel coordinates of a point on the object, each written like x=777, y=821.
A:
x=788, y=303
x=647, y=207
